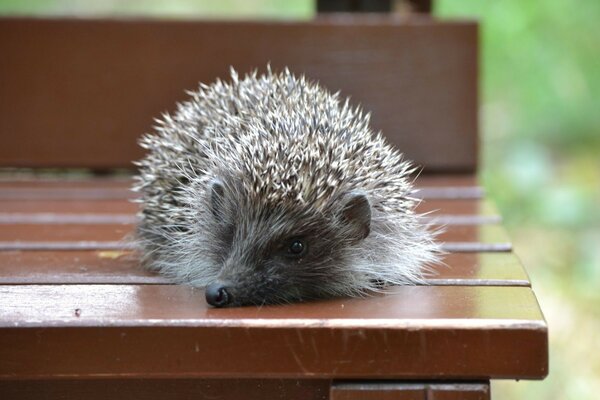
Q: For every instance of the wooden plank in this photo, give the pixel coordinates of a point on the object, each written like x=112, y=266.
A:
x=417, y=76
x=75, y=193
x=74, y=267
x=118, y=267
x=106, y=211
x=471, y=233
x=459, y=212
x=168, y=331
x=64, y=233
x=447, y=180
x=427, y=187
x=120, y=236
x=450, y=193
x=483, y=269
x=33, y=206
x=409, y=391
x=58, y=180
x=166, y=389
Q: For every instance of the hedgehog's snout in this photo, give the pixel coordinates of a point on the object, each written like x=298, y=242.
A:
x=218, y=294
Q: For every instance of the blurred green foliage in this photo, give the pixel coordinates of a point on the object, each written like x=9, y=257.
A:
x=540, y=112
x=280, y=9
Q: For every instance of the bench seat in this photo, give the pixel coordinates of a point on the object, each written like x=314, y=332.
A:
x=76, y=305
x=79, y=318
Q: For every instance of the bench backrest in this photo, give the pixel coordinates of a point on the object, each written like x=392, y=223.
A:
x=78, y=93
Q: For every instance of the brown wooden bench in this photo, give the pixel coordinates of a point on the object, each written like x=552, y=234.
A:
x=80, y=319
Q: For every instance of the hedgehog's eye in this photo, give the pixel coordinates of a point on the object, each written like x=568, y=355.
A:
x=296, y=248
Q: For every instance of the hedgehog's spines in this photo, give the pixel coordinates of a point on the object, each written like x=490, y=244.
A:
x=277, y=141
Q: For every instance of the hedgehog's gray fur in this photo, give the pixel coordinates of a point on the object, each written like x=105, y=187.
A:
x=286, y=154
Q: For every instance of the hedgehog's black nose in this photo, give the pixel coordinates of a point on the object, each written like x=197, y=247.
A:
x=217, y=295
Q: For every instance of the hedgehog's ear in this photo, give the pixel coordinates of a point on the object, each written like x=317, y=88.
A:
x=216, y=193
x=356, y=213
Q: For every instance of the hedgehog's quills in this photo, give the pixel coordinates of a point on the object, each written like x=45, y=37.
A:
x=270, y=189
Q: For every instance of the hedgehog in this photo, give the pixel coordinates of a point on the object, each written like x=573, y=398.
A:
x=269, y=189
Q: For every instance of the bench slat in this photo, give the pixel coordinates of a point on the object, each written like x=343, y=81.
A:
x=168, y=331
x=68, y=206
x=18, y=233
x=124, y=206
x=118, y=236
x=116, y=267
x=166, y=389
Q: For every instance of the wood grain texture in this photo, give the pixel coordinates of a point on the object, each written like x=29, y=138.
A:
x=122, y=267
x=94, y=86
x=167, y=331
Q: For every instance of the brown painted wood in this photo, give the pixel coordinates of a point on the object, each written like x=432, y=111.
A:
x=409, y=391
x=481, y=269
x=35, y=206
x=166, y=389
x=122, y=267
x=64, y=233
x=459, y=212
x=63, y=207
x=473, y=233
x=117, y=211
x=94, y=86
x=74, y=267
x=235, y=389
x=66, y=193
x=119, y=236
x=447, y=179
x=168, y=331
x=58, y=180
x=457, y=207
x=428, y=187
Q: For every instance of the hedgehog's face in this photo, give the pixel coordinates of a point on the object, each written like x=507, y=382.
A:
x=282, y=255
